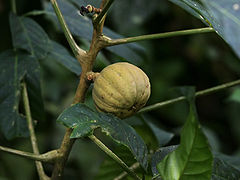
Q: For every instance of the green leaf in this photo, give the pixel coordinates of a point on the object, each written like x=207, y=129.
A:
x=14, y=66
x=28, y=35
x=83, y=120
x=62, y=56
x=224, y=171
x=159, y=155
x=81, y=26
x=109, y=168
x=163, y=137
x=193, y=158
x=153, y=136
x=222, y=15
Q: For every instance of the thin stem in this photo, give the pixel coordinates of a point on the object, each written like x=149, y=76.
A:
x=75, y=48
x=13, y=6
x=39, y=166
x=124, y=174
x=49, y=157
x=103, y=12
x=113, y=156
x=197, y=94
x=112, y=42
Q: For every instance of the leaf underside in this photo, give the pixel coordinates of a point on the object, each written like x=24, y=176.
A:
x=28, y=35
x=14, y=67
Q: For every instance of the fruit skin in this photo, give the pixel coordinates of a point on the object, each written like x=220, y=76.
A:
x=121, y=89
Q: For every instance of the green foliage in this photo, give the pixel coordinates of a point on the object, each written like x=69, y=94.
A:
x=199, y=60
x=224, y=171
x=109, y=169
x=15, y=66
x=28, y=35
x=61, y=55
x=153, y=136
x=158, y=156
x=193, y=158
x=83, y=120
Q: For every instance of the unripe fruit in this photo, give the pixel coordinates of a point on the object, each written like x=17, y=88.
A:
x=121, y=89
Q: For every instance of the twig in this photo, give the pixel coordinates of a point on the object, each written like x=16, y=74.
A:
x=112, y=42
x=75, y=48
x=48, y=157
x=103, y=12
x=113, y=156
x=124, y=174
x=197, y=94
x=39, y=166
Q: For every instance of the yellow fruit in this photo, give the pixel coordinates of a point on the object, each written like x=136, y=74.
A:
x=121, y=89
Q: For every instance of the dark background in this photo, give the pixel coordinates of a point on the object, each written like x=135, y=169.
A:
x=203, y=61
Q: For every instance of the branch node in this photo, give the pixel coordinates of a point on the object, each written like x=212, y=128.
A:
x=91, y=76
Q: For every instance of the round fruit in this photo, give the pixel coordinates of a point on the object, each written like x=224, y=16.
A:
x=121, y=89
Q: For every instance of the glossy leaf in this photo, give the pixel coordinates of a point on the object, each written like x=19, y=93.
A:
x=159, y=155
x=81, y=26
x=222, y=15
x=83, y=120
x=193, y=158
x=14, y=67
x=224, y=171
x=28, y=35
x=62, y=56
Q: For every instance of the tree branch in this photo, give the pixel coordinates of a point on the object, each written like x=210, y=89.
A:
x=113, y=42
x=39, y=166
x=48, y=157
x=197, y=94
x=75, y=48
x=113, y=156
